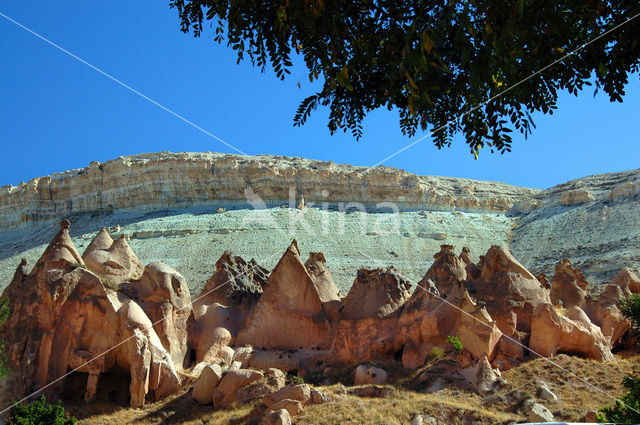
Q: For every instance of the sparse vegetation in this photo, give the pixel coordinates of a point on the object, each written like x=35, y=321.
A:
x=435, y=354
x=627, y=411
x=455, y=343
x=294, y=379
x=40, y=412
x=110, y=284
x=630, y=307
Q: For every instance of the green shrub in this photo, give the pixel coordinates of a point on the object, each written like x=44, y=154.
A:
x=630, y=308
x=435, y=353
x=294, y=379
x=40, y=413
x=455, y=343
x=626, y=413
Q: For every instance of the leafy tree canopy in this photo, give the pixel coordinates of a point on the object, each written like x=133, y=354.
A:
x=432, y=60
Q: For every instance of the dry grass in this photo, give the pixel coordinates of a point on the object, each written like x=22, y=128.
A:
x=453, y=405
x=575, y=397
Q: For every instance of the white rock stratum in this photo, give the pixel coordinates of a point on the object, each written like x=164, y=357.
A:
x=166, y=203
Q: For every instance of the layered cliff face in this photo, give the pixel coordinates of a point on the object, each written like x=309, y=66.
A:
x=166, y=205
x=162, y=180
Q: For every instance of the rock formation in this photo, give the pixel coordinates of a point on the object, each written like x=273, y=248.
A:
x=164, y=296
x=568, y=286
x=448, y=270
x=65, y=318
x=113, y=261
x=429, y=318
x=510, y=291
x=290, y=312
x=554, y=331
x=366, y=327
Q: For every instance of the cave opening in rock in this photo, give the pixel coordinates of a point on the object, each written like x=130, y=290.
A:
x=573, y=353
x=113, y=387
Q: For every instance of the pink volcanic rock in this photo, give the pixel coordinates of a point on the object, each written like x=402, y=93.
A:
x=316, y=265
x=604, y=312
x=290, y=312
x=628, y=281
x=568, y=287
x=553, y=332
x=164, y=296
x=507, y=288
x=367, y=324
x=63, y=317
x=447, y=270
x=112, y=260
x=428, y=318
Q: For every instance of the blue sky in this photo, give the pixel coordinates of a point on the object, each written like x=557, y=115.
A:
x=56, y=113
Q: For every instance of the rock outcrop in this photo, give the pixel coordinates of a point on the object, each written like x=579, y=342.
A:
x=64, y=318
x=167, y=179
x=510, y=292
x=369, y=315
x=113, y=261
x=554, y=332
x=569, y=286
x=290, y=312
x=164, y=296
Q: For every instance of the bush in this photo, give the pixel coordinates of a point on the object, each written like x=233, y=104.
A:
x=455, y=342
x=40, y=413
x=626, y=413
x=294, y=379
x=435, y=353
x=630, y=308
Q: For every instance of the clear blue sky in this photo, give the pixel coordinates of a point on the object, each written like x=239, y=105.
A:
x=56, y=113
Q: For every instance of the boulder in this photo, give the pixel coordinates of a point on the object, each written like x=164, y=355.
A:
x=243, y=355
x=113, y=261
x=319, y=396
x=371, y=391
x=367, y=324
x=290, y=313
x=300, y=392
x=568, y=287
x=164, y=296
x=481, y=376
x=294, y=407
x=207, y=381
x=539, y=413
x=367, y=374
x=272, y=381
x=276, y=417
x=545, y=393
x=628, y=281
x=213, y=346
x=572, y=332
x=224, y=396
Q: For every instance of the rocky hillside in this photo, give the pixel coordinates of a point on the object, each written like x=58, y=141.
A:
x=186, y=209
